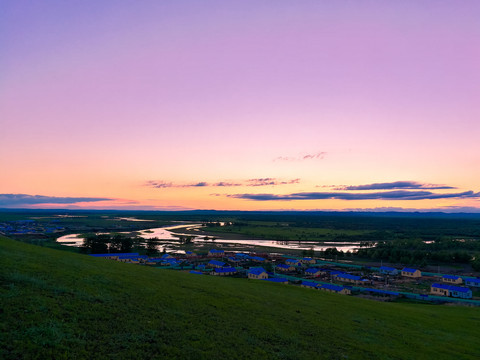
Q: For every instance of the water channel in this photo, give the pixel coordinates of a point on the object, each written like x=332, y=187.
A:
x=167, y=237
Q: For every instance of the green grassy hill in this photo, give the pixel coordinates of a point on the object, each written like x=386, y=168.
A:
x=56, y=304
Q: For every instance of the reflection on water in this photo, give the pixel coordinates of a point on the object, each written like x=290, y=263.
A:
x=130, y=219
x=164, y=235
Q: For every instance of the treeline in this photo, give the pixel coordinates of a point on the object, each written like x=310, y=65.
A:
x=107, y=243
x=420, y=253
x=117, y=243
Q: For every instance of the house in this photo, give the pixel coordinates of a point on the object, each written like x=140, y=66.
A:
x=335, y=288
x=349, y=278
x=216, y=253
x=216, y=264
x=169, y=262
x=452, y=279
x=257, y=273
x=312, y=272
x=256, y=258
x=309, y=284
x=382, y=292
x=475, y=282
x=166, y=256
x=293, y=262
x=190, y=253
x=324, y=271
x=387, y=270
x=196, y=272
x=451, y=290
x=284, y=268
x=277, y=280
x=114, y=256
x=307, y=260
x=413, y=273
x=131, y=259
x=224, y=271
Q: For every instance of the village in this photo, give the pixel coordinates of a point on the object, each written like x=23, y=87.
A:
x=382, y=283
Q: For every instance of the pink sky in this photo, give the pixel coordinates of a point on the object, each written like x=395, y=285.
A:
x=97, y=99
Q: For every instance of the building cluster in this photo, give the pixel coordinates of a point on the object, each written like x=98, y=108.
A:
x=26, y=227
x=304, y=272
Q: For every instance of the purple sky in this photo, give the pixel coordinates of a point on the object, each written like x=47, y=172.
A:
x=97, y=98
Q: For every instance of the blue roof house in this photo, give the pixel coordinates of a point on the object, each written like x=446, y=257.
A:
x=293, y=262
x=284, y=268
x=451, y=290
x=308, y=260
x=216, y=253
x=413, y=273
x=335, y=288
x=224, y=271
x=257, y=258
x=216, y=264
x=452, y=279
x=257, y=273
x=313, y=272
x=387, y=270
x=349, y=278
x=475, y=282
x=309, y=284
x=277, y=280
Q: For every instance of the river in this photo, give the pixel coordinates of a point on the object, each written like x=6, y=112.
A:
x=166, y=236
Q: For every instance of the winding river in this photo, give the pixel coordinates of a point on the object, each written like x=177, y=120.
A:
x=166, y=236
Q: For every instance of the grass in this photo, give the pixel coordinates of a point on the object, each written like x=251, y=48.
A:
x=273, y=231
x=62, y=305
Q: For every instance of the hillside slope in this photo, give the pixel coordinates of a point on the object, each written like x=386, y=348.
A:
x=56, y=304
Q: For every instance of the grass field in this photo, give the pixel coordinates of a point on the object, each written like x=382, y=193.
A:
x=272, y=231
x=56, y=304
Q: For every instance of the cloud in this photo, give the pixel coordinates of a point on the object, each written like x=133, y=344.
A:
x=386, y=195
x=159, y=184
x=319, y=155
x=164, y=184
x=395, y=185
x=226, y=184
x=249, y=182
x=24, y=199
x=199, y=184
x=270, y=181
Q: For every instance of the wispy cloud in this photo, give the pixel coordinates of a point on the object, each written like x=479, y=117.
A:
x=164, y=184
x=249, y=182
x=319, y=155
x=394, y=185
x=270, y=181
x=159, y=184
x=386, y=195
x=226, y=184
x=25, y=199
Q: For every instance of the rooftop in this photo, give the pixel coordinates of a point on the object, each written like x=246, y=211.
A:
x=257, y=270
x=387, y=268
x=225, y=270
x=216, y=262
x=452, y=277
x=451, y=287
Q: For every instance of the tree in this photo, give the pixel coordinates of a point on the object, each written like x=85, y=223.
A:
x=476, y=264
x=152, y=246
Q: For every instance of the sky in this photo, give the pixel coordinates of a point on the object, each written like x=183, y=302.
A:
x=240, y=105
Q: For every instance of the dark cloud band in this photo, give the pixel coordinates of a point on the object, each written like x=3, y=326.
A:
x=395, y=185
x=25, y=199
x=387, y=195
x=249, y=182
